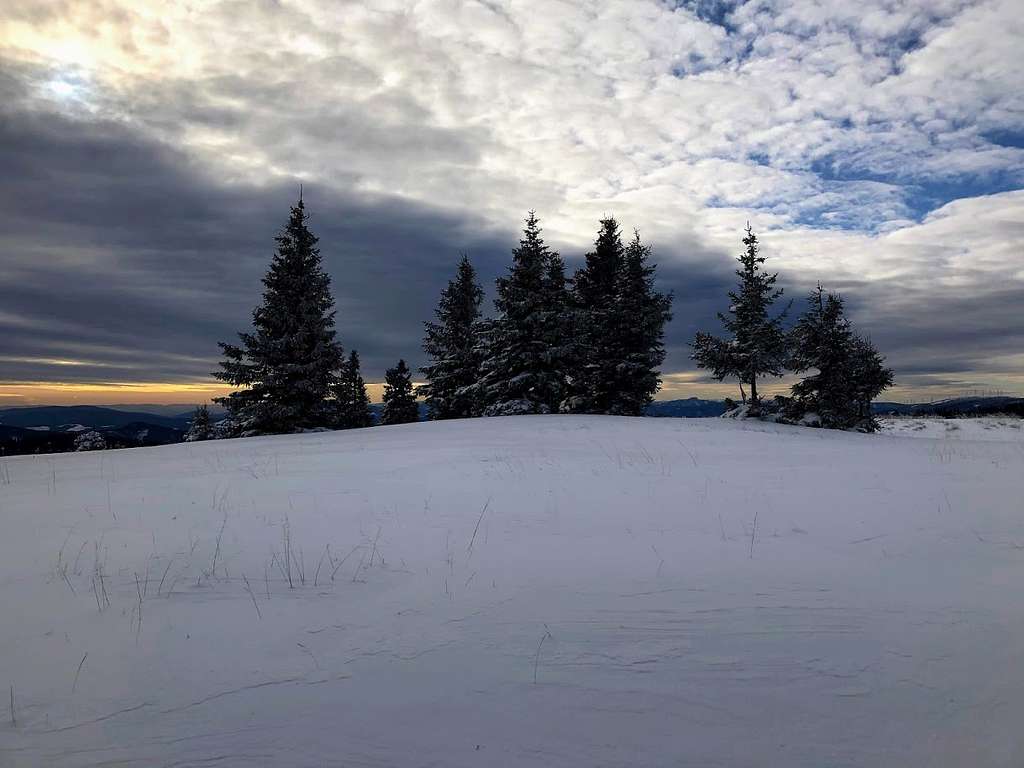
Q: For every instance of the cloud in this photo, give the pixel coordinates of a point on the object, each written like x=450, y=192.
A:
x=149, y=150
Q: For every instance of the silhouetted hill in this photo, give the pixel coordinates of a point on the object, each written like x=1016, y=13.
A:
x=957, y=406
x=688, y=408
x=57, y=416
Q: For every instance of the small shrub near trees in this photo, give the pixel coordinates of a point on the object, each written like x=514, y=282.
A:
x=351, y=403
x=200, y=428
x=90, y=441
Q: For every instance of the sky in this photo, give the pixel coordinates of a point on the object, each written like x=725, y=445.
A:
x=150, y=149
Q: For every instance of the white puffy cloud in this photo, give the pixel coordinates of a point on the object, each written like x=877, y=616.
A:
x=832, y=126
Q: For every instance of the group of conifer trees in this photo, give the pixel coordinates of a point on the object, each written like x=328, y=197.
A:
x=589, y=344
x=850, y=371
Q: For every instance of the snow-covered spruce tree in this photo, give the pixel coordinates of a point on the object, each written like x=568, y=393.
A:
x=286, y=366
x=757, y=344
x=400, y=406
x=522, y=370
x=822, y=339
x=870, y=377
x=351, y=403
x=598, y=324
x=451, y=343
x=642, y=313
x=850, y=372
x=200, y=428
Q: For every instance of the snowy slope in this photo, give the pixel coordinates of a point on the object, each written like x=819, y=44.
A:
x=1009, y=429
x=580, y=591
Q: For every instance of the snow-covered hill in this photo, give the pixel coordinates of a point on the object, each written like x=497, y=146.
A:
x=580, y=591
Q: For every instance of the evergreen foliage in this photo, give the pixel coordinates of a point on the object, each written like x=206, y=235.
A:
x=522, y=370
x=351, y=403
x=597, y=320
x=286, y=366
x=200, y=428
x=643, y=313
x=400, y=405
x=90, y=441
x=620, y=320
x=850, y=372
x=452, y=345
x=757, y=344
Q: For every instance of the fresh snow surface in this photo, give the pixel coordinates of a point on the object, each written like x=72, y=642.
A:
x=1009, y=429
x=525, y=591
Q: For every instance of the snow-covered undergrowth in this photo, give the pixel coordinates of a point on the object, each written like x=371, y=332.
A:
x=585, y=591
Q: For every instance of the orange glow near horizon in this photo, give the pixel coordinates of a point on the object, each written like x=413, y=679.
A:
x=122, y=393
x=674, y=386
x=60, y=393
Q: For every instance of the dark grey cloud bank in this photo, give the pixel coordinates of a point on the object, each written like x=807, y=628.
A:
x=124, y=253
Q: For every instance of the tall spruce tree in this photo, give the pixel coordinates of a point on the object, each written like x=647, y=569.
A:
x=286, y=366
x=597, y=322
x=639, y=336
x=452, y=344
x=850, y=372
x=522, y=372
x=400, y=405
x=352, y=404
x=757, y=344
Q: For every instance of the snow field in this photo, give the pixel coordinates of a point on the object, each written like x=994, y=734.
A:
x=517, y=591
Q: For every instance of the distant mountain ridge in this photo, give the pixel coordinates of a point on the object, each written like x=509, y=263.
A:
x=686, y=408
x=57, y=416
x=53, y=428
x=955, y=406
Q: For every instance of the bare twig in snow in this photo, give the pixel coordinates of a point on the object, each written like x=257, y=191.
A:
x=536, y=658
x=753, y=533
x=342, y=561
x=316, y=575
x=216, y=551
x=315, y=663
x=256, y=605
x=374, y=552
x=469, y=549
x=160, y=586
x=78, y=672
